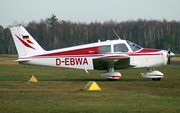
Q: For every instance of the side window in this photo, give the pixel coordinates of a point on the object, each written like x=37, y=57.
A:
x=120, y=48
x=105, y=49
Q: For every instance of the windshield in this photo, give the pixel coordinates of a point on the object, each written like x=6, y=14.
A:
x=134, y=46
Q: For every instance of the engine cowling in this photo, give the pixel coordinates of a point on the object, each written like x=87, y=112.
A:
x=111, y=75
x=153, y=74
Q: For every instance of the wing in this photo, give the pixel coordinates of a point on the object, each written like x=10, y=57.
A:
x=113, y=61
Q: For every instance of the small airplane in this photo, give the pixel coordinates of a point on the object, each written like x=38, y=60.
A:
x=107, y=55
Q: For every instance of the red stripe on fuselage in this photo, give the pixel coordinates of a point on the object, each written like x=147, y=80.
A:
x=94, y=52
x=144, y=54
x=148, y=50
x=91, y=50
x=85, y=55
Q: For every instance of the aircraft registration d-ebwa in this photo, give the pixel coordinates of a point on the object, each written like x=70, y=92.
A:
x=107, y=55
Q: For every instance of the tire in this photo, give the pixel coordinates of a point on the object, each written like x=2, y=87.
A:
x=112, y=79
x=156, y=79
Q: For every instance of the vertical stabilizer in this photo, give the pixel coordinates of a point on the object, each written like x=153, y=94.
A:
x=25, y=43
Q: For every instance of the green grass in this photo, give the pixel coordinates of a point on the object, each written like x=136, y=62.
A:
x=59, y=90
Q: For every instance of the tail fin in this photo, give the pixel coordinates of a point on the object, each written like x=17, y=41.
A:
x=25, y=43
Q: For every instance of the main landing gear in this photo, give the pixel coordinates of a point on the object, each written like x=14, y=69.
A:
x=111, y=75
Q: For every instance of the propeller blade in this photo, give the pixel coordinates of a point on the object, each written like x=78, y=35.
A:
x=169, y=57
x=169, y=51
x=169, y=62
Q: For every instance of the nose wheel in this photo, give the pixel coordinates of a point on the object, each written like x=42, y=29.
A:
x=153, y=74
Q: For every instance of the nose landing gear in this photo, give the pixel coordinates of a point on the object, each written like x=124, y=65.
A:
x=154, y=74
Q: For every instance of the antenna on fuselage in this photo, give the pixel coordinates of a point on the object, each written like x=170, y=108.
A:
x=116, y=34
x=99, y=40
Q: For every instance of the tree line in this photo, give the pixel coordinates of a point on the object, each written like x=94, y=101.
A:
x=52, y=33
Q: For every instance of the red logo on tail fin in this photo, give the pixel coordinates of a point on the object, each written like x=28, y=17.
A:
x=26, y=44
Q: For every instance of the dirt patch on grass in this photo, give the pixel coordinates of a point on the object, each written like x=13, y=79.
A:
x=8, y=61
x=175, y=58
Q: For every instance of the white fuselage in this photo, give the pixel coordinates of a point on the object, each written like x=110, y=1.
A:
x=81, y=57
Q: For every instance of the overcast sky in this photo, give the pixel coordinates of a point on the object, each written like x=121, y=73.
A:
x=87, y=10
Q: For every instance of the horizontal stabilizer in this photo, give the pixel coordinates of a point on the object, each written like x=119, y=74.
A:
x=21, y=60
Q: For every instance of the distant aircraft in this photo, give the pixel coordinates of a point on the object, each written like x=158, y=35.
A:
x=107, y=55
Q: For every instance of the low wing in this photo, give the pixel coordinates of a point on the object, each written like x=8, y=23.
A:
x=115, y=61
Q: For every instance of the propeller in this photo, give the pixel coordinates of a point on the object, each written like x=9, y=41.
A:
x=169, y=55
x=169, y=52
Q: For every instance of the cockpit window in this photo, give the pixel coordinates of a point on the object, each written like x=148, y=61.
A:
x=134, y=46
x=120, y=48
x=105, y=49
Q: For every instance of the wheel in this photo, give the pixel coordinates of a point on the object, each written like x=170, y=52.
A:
x=112, y=79
x=156, y=79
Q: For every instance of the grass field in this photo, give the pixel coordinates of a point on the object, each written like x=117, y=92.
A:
x=59, y=90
